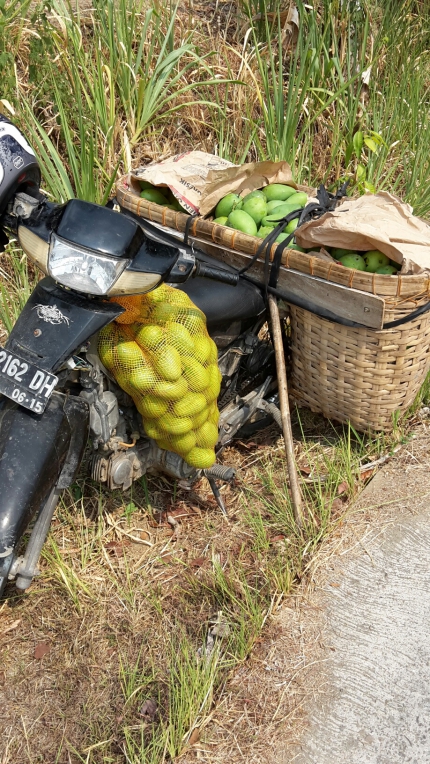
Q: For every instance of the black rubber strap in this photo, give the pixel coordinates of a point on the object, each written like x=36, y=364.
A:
x=410, y=317
x=326, y=203
x=188, y=225
x=271, y=275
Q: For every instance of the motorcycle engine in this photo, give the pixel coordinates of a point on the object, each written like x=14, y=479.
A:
x=121, y=467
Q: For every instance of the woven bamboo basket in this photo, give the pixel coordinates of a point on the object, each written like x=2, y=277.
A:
x=348, y=374
x=357, y=375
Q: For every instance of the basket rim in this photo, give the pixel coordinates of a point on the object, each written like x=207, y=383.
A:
x=412, y=287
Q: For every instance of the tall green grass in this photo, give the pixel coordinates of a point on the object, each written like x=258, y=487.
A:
x=113, y=79
x=17, y=282
x=136, y=73
x=356, y=69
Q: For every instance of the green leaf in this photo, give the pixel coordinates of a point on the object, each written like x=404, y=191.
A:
x=369, y=187
x=357, y=141
x=360, y=173
x=370, y=143
x=76, y=491
x=376, y=137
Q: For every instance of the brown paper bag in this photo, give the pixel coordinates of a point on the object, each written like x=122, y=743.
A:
x=374, y=221
x=199, y=180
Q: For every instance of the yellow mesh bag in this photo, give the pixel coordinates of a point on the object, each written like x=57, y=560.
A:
x=160, y=353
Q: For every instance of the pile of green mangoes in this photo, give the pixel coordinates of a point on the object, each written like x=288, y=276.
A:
x=372, y=261
x=258, y=213
x=160, y=195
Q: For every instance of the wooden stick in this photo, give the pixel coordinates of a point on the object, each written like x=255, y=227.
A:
x=285, y=409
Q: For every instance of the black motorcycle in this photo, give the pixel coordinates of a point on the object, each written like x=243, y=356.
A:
x=55, y=392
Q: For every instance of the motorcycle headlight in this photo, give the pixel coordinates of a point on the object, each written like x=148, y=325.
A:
x=81, y=269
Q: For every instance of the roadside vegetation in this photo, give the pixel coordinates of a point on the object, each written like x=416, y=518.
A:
x=149, y=602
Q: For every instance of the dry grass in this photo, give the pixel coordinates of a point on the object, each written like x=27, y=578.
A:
x=131, y=585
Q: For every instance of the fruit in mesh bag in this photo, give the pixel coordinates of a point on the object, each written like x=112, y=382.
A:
x=171, y=424
x=195, y=373
x=157, y=295
x=179, y=337
x=207, y=435
x=213, y=414
x=181, y=444
x=129, y=354
x=143, y=378
x=133, y=308
x=202, y=348
x=108, y=339
x=164, y=444
x=123, y=381
x=193, y=319
x=151, y=429
x=190, y=405
x=164, y=312
x=151, y=407
x=170, y=391
x=212, y=390
x=167, y=362
x=175, y=297
x=149, y=336
x=201, y=418
x=201, y=458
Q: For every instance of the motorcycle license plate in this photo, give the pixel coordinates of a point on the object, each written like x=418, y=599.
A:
x=24, y=383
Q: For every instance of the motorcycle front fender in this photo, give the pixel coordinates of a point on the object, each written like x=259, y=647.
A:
x=55, y=323
x=36, y=454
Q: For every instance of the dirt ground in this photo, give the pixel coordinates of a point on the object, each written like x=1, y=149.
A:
x=70, y=695
x=63, y=643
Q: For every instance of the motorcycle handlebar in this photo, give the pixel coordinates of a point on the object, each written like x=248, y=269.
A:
x=216, y=274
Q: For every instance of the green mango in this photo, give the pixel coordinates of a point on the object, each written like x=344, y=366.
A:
x=338, y=252
x=387, y=270
x=374, y=260
x=253, y=195
x=271, y=206
x=264, y=231
x=292, y=225
x=241, y=221
x=299, y=198
x=278, y=191
x=154, y=195
x=353, y=261
x=279, y=212
x=227, y=204
x=256, y=208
